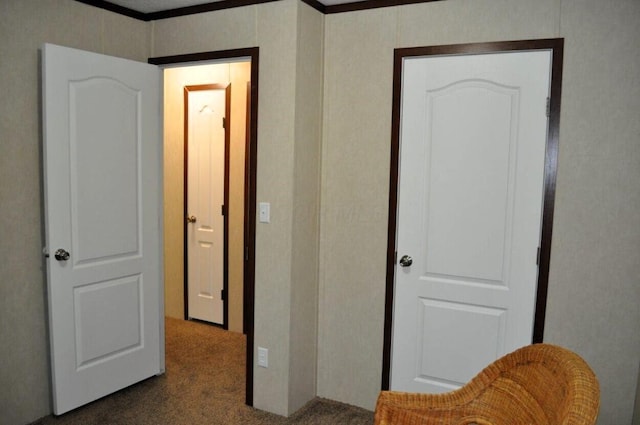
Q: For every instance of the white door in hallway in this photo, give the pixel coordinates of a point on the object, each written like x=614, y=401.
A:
x=206, y=202
x=470, y=195
x=103, y=203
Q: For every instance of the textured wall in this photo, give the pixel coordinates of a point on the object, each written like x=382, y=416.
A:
x=306, y=192
x=24, y=26
x=237, y=73
x=272, y=28
x=594, y=278
x=594, y=282
x=593, y=289
x=636, y=410
x=356, y=151
x=355, y=174
x=240, y=73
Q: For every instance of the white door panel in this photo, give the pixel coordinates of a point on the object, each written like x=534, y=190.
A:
x=468, y=320
x=473, y=137
x=104, y=162
x=102, y=177
x=466, y=212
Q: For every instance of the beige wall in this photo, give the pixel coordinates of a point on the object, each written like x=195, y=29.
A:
x=355, y=173
x=636, y=410
x=237, y=74
x=594, y=283
x=281, y=129
x=306, y=207
x=594, y=290
x=24, y=26
x=240, y=76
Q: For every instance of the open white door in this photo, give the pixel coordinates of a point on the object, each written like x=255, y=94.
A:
x=472, y=156
x=103, y=203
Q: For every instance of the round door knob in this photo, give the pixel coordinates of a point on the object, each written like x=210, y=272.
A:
x=406, y=261
x=191, y=219
x=61, y=255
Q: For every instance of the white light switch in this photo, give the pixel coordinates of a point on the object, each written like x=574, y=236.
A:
x=263, y=357
x=265, y=212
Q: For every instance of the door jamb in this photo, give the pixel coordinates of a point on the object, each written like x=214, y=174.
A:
x=250, y=187
x=225, y=207
x=556, y=46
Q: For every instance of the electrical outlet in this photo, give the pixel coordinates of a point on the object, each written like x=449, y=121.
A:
x=263, y=357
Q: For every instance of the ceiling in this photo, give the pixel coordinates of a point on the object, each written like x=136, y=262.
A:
x=151, y=10
x=152, y=6
x=149, y=6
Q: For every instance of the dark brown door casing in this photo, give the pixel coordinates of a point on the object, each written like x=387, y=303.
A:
x=252, y=53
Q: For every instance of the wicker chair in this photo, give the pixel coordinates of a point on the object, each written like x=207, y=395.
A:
x=540, y=384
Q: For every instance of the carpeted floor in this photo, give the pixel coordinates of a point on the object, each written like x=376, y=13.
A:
x=203, y=384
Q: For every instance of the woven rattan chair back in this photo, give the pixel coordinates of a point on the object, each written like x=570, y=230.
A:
x=540, y=384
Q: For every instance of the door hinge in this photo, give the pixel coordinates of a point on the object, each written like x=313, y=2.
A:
x=222, y=295
x=538, y=257
x=548, y=106
x=246, y=253
x=395, y=257
x=223, y=210
x=224, y=122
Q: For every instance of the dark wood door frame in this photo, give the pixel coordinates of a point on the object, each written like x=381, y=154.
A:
x=252, y=53
x=556, y=46
x=225, y=207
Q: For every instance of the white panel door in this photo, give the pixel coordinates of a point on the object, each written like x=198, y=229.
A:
x=103, y=201
x=472, y=147
x=205, y=201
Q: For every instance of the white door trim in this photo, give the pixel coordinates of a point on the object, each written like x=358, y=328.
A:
x=556, y=47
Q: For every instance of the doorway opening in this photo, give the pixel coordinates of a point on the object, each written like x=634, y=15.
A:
x=205, y=142
x=237, y=72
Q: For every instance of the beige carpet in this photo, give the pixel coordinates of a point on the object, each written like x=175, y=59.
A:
x=203, y=384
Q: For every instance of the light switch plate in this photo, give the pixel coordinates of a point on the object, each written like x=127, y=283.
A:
x=265, y=212
x=263, y=357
